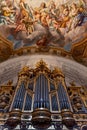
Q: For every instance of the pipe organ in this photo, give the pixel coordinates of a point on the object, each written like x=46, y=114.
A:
x=42, y=99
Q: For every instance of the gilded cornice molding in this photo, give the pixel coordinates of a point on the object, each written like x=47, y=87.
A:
x=78, y=50
x=6, y=41
x=6, y=48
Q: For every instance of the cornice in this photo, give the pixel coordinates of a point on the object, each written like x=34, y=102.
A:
x=6, y=48
x=6, y=41
x=78, y=50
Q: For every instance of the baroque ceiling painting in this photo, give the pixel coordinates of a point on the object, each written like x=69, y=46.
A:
x=44, y=24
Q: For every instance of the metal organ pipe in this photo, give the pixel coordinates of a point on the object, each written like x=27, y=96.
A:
x=28, y=102
x=41, y=99
x=63, y=99
x=15, y=114
x=19, y=97
x=41, y=115
x=47, y=94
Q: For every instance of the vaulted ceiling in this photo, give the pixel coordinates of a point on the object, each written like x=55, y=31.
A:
x=65, y=49
x=72, y=70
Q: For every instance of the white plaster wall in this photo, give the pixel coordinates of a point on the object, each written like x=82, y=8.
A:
x=71, y=69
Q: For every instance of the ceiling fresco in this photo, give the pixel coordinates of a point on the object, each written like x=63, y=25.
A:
x=59, y=24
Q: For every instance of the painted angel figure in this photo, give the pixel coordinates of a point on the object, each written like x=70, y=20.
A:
x=29, y=25
x=77, y=17
x=7, y=13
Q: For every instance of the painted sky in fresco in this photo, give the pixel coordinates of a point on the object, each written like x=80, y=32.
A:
x=35, y=3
